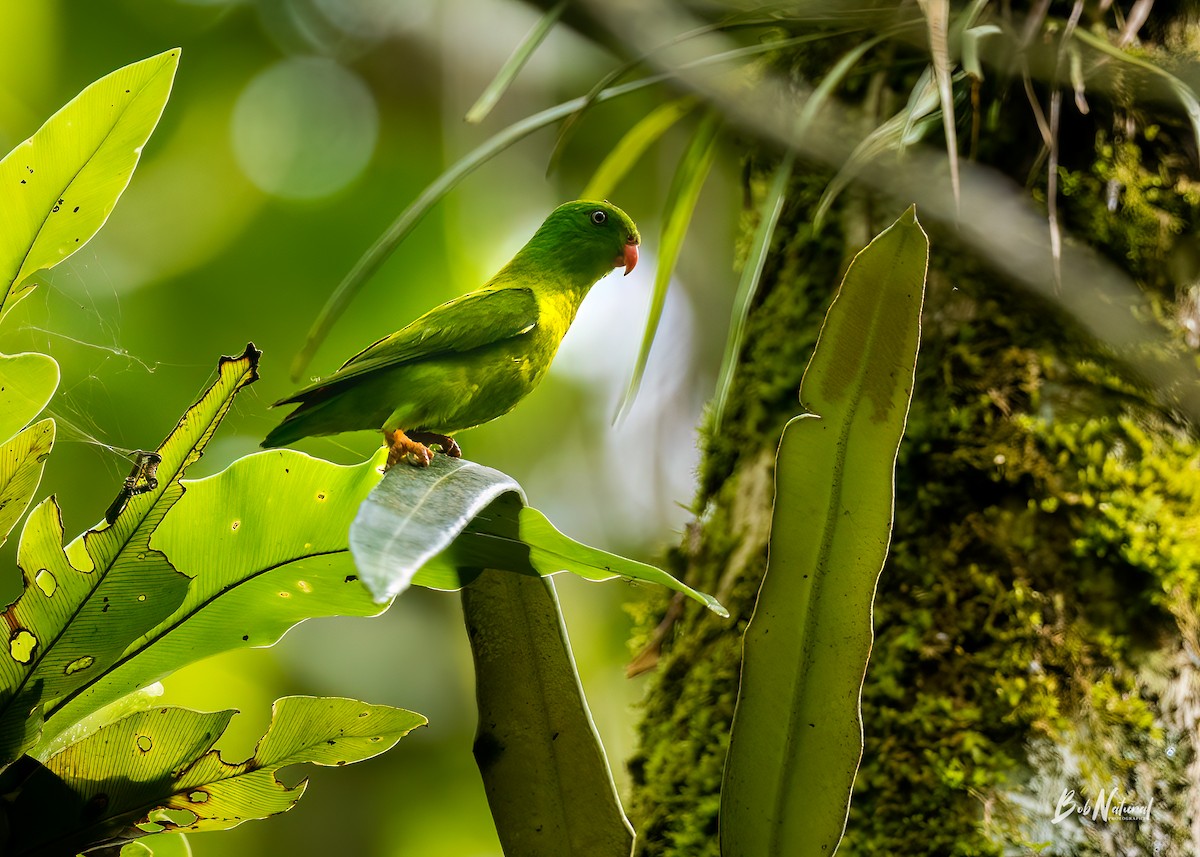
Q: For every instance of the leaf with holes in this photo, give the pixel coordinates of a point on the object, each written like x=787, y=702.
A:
x=59, y=186
x=22, y=460
x=84, y=604
x=265, y=544
x=155, y=771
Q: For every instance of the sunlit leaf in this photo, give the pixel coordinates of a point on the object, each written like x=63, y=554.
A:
x=265, y=544
x=155, y=771
x=633, y=145
x=797, y=731
x=27, y=381
x=22, y=460
x=547, y=779
x=677, y=217
x=437, y=526
x=512, y=67
x=83, y=605
x=416, y=514
x=59, y=186
x=768, y=216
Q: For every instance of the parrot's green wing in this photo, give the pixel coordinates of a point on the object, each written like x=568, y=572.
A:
x=468, y=322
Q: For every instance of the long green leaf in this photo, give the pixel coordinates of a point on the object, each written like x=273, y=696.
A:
x=437, y=526
x=831, y=81
x=83, y=605
x=937, y=16
x=265, y=544
x=22, y=460
x=59, y=186
x=906, y=126
x=27, y=382
x=681, y=203
x=634, y=144
x=797, y=731
x=156, y=771
x=768, y=217
x=513, y=65
x=547, y=779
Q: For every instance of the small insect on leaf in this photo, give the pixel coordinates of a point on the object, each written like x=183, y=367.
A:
x=142, y=478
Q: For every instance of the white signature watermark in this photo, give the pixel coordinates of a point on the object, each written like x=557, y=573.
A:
x=1106, y=806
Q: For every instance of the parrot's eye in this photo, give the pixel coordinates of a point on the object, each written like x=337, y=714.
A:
x=599, y=217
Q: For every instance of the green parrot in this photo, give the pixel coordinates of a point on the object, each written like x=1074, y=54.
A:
x=473, y=358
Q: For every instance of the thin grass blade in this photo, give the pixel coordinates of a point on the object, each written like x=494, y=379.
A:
x=513, y=65
x=681, y=203
x=937, y=15
x=768, y=217
x=634, y=144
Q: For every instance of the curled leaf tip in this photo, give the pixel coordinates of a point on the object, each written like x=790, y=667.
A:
x=715, y=606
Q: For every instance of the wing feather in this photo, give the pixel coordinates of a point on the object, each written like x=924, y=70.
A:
x=468, y=322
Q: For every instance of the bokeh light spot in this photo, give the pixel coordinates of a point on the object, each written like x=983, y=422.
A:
x=304, y=128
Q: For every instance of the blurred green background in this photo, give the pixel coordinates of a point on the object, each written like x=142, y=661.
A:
x=296, y=131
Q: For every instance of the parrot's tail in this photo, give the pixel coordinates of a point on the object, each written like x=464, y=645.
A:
x=306, y=421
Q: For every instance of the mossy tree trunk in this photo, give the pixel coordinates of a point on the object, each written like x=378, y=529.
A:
x=1036, y=622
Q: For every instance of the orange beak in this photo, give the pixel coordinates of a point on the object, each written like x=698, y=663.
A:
x=629, y=260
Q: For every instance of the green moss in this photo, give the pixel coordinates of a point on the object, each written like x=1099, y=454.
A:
x=1038, y=617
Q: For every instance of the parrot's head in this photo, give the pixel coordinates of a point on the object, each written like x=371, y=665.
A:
x=595, y=236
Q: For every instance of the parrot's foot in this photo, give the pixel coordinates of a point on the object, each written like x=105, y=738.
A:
x=448, y=444
x=403, y=448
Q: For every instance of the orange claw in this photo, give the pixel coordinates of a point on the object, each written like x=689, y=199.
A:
x=403, y=448
x=448, y=444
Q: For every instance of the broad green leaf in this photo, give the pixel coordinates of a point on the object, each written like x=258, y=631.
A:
x=634, y=144
x=768, y=216
x=409, y=519
x=264, y=542
x=83, y=605
x=437, y=526
x=27, y=381
x=797, y=731
x=550, y=552
x=159, y=845
x=155, y=771
x=681, y=202
x=547, y=779
x=512, y=67
x=22, y=460
x=59, y=186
